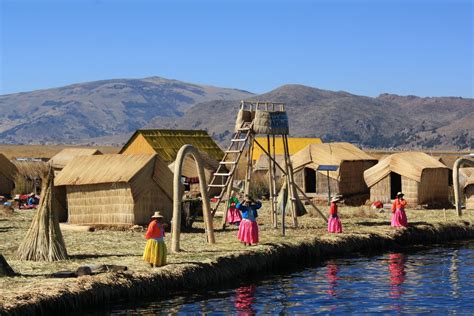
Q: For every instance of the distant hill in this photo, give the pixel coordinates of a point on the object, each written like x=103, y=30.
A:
x=104, y=109
x=384, y=122
x=107, y=112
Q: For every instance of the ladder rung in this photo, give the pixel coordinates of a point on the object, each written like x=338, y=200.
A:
x=238, y=140
x=243, y=129
x=222, y=174
x=228, y=162
x=217, y=185
x=232, y=151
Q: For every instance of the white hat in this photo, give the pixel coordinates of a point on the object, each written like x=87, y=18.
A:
x=157, y=215
x=400, y=193
x=336, y=198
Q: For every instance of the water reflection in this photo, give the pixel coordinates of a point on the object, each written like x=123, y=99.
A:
x=397, y=274
x=244, y=300
x=436, y=280
x=331, y=274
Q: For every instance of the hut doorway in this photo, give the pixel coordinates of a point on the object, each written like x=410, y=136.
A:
x=309, y=180
x=395, y=184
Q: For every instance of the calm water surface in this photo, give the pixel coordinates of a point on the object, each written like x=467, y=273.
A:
x=420, y=280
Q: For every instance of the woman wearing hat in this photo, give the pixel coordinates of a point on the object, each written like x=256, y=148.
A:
x=334, y=223
x=248, y=228
x=155, y=249
x=399, y=218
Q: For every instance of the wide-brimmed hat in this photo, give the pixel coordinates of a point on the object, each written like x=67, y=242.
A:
x=32, y=194
x=400, y=194
x=157, y=215
x=336, y=198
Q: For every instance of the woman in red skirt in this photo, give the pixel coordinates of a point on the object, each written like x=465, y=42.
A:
x=334, y=223
x=399, y=217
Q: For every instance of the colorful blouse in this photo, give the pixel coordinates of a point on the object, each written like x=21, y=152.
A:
x=249, y=212
x=333, y=210
x=232, y=202
x=399, y=205
x=155, y=231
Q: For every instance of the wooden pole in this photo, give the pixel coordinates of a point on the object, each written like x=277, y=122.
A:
x=329, y=188
x=274, y=200
x=270, y=182
x=248, y=176
x=291, y=188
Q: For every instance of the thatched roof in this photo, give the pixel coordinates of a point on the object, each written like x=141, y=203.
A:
x=61, y=159
x=166, y=143
x=32, y=169
x=314, y=155
x=407, y=164
x=295, y=144
x=7, y=168
x=189, y=165
x=466, y=177
x=103, y=169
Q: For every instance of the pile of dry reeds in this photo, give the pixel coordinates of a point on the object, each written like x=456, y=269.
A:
x=44, y=240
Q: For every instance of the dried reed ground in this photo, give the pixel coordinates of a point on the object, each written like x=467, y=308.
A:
x=125, y=247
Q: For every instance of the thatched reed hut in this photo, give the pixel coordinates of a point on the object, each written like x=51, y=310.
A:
x=422, y=178
x=295, y=144
x=348, y=180
x=30, y=175
x=58, y=162
x=8, y=173
x=117, y=189
x=166, y=143
x=61, y=159
x=466, y=176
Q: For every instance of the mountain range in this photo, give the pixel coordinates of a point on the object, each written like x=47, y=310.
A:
x=108, y=111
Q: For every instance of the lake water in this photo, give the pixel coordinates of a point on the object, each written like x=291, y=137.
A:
x=416, y=280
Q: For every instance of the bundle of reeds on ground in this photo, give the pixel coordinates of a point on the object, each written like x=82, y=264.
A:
x=44, y=240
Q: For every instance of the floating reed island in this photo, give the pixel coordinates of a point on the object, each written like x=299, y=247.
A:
x=200, y=265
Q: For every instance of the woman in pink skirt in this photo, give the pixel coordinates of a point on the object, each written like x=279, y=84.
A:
x=233, y=214
x=334, y=223
x=248, y=228
x=399, y=217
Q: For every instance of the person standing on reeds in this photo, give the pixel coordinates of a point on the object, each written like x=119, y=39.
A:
x=155, y=249
x=248, y=228
x=233, y=214
x=399, y=217
x=334, y=223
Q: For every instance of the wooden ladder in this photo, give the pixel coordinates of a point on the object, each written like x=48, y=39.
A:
x=231, y=158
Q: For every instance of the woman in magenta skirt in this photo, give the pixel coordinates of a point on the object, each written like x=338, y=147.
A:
x=334, y=223
x=248, y=228
x=399, y=217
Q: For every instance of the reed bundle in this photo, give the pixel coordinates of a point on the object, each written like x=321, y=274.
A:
x=44, y=240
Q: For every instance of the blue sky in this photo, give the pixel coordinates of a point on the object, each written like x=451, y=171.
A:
x=364, y=47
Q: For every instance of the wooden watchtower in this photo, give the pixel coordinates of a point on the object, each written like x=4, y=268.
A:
x=260, y=118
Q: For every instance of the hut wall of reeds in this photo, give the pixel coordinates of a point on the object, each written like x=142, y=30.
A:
x=422, y=178
x=347, y=180
x=30, y=175
x=8, y=172
x=469, y=195
x=466, y=177
x=117, y=189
